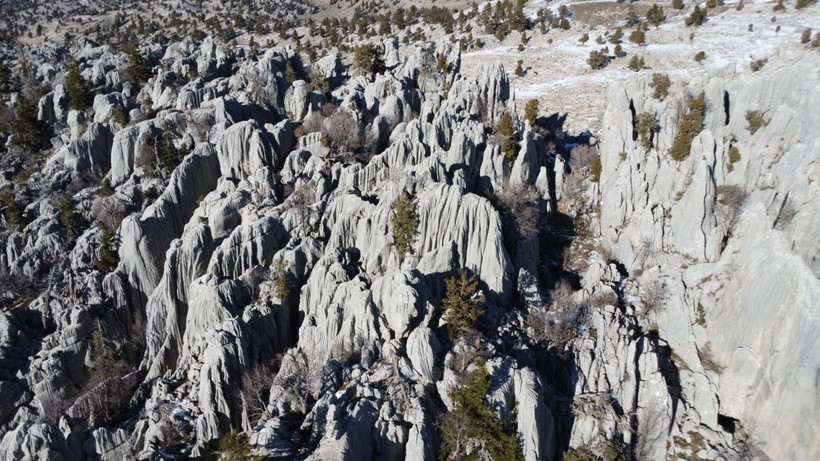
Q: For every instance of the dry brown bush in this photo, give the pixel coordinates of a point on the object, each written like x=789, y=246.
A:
x=521, y=203
x=343, y=131
x=256, y=384
x=581, y=156
x=653, y=297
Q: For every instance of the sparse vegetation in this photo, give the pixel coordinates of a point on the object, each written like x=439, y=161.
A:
x=677, y=4
x=235, y=446
x=734, y=157
x=805, y=37
x=758, y=64
x=660, y=83
x=691, y=124
x=645, y=126
x=282, y=280
x=700, y=56
x=755, y=121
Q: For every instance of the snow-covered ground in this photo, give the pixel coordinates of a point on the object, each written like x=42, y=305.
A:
x=559, y=77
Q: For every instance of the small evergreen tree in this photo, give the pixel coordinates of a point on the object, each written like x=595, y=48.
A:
x=636, y=63
x=655, y=15
x=806, y=36
x=598, y=59
x=505, y=125
x=168, y=155
x=77, y=87
x=584, y=39
x=119, y=116
x=637, y=36
x=107, y=256
x=519, y=70
x=5, y=77
x=15, y=213
x=697, y=18
x=460, y=304
x=68, y=217
x=405, y=223
x=106, y=190
x=691, y=124
x=677, y=4
x=531, y=111
x=368, y=58
x=30, y=133
x=473, y=427
x=137, y=70
x=616, y=36
x=700, y=56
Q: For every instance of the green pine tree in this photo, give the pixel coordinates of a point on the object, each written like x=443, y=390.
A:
x=77, y=87
x=480, y=427
x=405, y=224
x=460, y=304
x=691, y=124
x=107, y=256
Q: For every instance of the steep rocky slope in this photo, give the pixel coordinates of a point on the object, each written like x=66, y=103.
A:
x=260, y=287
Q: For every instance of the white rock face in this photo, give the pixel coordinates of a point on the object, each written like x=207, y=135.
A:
x=748, y=259
x=146, y=239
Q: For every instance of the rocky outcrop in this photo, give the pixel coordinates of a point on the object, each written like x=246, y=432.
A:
x=740, y=201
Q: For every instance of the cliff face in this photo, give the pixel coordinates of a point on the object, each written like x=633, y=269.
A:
x=741, y=261
x=666, y=310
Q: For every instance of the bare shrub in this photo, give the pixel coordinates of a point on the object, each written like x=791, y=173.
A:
x=343, y=131
x=521, y=207
x=732, y=198
x=146, y=158
x=14, y=288
x=259, y=87
x=293, y=380
x=651, y=431
x=653, y=296
x=313, y=123
x=110, y=211
x=581, y=156
x=300, y=200
x=603, y=298
x=559, y=325
x=255, y=391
